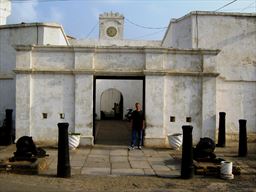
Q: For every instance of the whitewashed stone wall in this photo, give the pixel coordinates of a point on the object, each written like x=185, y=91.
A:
x=26, y=34
x=179, y=33
x=52, y=94
x=178, y=85
x=236, y=63
x=54, y=78
x=62, y=77
x=235, y=35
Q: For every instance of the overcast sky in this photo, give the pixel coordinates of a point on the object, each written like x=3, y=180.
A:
x=79, y=18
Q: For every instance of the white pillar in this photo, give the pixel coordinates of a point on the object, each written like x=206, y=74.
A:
x=5, y=10
x=84, y=108
x=84, y=95
x=155, y=107
x=23, y=95
x=209, y=107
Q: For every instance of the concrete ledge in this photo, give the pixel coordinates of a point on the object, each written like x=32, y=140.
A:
x=251, y=137
x=86, y=140
x=7, y=76
x=155, y=142
x=24, y=167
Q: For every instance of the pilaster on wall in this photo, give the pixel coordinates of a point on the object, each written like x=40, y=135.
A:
x=209, y=97
x=84, y=95
x=23, y=99
x=23, y=102
x=208, y=107
x=155, y=104
x=84, y=108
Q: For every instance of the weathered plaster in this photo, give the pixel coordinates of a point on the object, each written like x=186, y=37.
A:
x=25, y=34
x=51, y=94
x=23, y=103
x=179, y=81
x=184, y=99
x=234, y=34
x=119, y=61
x=81, y=63
x=155, y=105
x=84, y=108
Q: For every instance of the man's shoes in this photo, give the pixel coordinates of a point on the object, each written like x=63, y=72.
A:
x=130, y=147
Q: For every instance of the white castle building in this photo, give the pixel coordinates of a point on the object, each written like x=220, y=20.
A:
x=205, y=64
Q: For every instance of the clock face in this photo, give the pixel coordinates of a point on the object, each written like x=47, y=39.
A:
x=111, y=31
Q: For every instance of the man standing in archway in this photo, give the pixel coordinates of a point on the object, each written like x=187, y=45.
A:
x=138, y=125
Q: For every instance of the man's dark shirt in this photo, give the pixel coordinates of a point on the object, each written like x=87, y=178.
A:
x=138, y=118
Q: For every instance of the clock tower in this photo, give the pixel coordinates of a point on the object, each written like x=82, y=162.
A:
x=111, y=26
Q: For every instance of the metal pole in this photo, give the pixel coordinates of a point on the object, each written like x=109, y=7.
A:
x=242, y=150
x=222, y=130
x=187, y=167
x=63, y=167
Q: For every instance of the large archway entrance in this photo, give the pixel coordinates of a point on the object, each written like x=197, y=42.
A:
x=113, y=97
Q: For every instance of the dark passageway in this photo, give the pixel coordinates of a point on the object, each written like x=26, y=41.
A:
x=113, y=132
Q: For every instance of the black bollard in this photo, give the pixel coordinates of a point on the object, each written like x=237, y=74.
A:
x=187, y=167
x=242, y=150
x=222, y=130
x=9, y=126
x=63, y=167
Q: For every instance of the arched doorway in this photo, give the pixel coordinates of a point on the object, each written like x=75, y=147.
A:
x=111, y=105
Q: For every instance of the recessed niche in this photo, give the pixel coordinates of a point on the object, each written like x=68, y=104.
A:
x=188, y=119
x=44, y=115
x=62, y=115
x=172, y=118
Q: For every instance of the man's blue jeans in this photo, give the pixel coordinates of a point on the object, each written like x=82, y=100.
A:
x=137, y=134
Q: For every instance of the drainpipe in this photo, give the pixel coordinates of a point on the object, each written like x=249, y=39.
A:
x=37, y=34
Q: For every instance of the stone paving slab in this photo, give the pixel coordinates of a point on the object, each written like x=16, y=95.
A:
x=117, y=160
x=140, y=165
x=76, y=163
x=91, y=164
x=95, y=171
x=174, y=167
x=127, y=172
x=149, y=152
x=156, y=163
x=160, y=168
x=120, y=165
x=137, y=158
x=98, y=159
x=100, y=151
x=119, y=152
x=136, y=152
x=149, y=172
